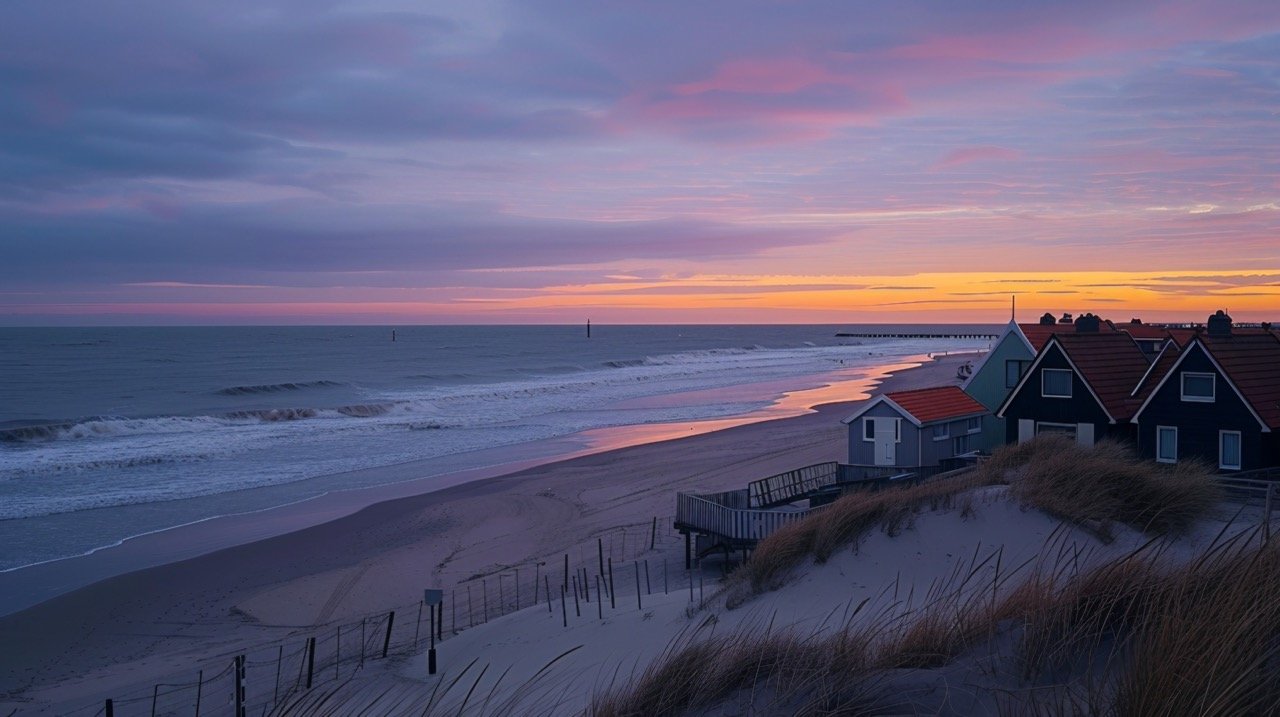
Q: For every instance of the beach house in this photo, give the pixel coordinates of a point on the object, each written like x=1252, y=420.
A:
x=1219, y=401
x=1080, y=383
x=911, y=431
x=1003, y=367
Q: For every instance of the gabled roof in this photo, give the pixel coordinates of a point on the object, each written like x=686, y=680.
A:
x=1109, y=363
x=1037, y=335
x=927, y=405
x=1250, y=364
x=1009, y=328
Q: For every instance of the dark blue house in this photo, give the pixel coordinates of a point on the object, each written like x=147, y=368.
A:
x=1219, y=401
x=1080, y=384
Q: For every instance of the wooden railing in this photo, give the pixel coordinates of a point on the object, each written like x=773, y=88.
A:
x=705, y=513
x=792, y=485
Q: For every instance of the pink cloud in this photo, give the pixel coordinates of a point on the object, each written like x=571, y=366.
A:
x=966, y=155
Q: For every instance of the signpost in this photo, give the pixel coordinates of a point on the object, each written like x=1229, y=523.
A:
x=435, y=605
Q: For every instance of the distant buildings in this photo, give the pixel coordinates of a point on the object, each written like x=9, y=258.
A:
x=1211, y=392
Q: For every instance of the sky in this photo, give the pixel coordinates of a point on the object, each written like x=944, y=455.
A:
x=721, y=161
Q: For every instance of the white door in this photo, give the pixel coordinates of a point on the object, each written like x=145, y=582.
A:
x=886, y=441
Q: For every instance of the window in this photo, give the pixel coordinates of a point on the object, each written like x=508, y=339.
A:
x=1166, y=444
x=1229, y=450
x=1064, y=428
x=1014, y=371
x=869, y=428
x=973, y=425
x=1055, y=383
x=1197, y=387
x=959, y=445
x=942, y=432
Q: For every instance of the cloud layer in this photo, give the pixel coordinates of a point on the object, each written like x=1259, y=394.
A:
x=187, y=153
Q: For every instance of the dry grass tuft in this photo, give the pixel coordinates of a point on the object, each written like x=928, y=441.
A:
x=1105, y=484
x=837, y=526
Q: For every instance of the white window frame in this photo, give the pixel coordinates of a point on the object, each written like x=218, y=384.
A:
x=946, y=432
x=867, y=422
x=1213, y=386
x=973, y=425
x=1075, y=428
x=1239, y=450
x=1070, y=383
x=1160, y=459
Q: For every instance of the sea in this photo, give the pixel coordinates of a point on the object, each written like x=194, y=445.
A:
x=108, y=433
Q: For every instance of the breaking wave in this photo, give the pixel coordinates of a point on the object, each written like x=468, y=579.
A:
x=274, y=388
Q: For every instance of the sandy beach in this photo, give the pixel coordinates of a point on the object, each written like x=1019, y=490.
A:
x=131, y=630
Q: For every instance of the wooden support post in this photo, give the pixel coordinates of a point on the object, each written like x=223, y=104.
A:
x=688, y=550
x=666, y=586
x=199, y=689
x=431, y=653
x=599, y=602
x=546, y=580
x=110, y=709
x=386, y=641
x=653, y=535
x=440, y=621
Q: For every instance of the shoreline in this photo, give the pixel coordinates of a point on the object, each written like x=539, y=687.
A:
x=135, y=627
x=28, y=585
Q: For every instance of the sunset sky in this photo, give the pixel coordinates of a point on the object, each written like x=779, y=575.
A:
x=305, y=161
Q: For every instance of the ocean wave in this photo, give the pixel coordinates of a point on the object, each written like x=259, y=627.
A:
x=274, y=388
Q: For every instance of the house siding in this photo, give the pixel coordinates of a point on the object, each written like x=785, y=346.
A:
x=917, y=447
x=1080, y=408
x=1198, y=423
x=862, y=453
x=987, y=387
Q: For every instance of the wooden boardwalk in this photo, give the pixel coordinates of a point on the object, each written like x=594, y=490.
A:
x=915, y=336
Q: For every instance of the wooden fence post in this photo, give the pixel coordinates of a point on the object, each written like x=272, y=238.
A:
x=653, y=536
x=386, y=641
x=311, y=660
x=240, y=664
x=199, y=689
x=110, y=709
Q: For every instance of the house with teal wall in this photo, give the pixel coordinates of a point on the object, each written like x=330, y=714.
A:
x=993, y=378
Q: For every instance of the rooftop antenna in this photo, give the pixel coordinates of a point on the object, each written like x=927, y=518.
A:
x=1013, y=307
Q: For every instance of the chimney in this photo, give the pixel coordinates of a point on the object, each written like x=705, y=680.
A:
x=1047, y=319
x=1219, y=325
x=1135, y=322
x=1066, y=319
x=1087, y=324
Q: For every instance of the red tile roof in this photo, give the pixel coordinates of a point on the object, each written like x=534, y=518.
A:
x=940, y=403
x=1038, y=334
x=1112, y=364
x=1143, y=331
x=1252, y=362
